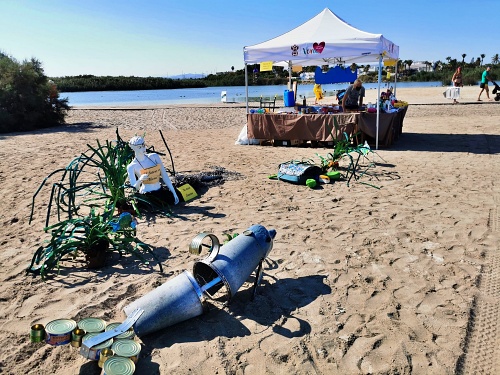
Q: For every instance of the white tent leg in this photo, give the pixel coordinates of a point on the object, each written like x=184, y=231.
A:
x=246, y=85
x=289, y=74
x=378, y=98
x=395, y=77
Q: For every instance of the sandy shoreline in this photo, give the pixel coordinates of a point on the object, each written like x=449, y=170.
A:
x=427, y=95
x=402, y=279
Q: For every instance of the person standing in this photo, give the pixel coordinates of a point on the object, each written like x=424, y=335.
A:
x=353, y=98
x=457, y=82
x=484, y=83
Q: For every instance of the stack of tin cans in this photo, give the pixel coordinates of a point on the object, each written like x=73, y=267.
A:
x=117, y=355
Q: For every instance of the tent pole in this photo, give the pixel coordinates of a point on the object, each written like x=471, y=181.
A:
x=378, y=97
x=246, y=85
x=395, y=76
x=289, y=74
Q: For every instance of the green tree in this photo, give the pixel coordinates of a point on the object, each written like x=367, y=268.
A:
x=463, y=58
x=28, y=100
x=495, y=59
x=482, y=58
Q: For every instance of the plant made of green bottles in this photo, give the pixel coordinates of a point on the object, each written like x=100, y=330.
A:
x=85, y=235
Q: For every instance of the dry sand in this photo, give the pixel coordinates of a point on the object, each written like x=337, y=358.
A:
x=404, y=279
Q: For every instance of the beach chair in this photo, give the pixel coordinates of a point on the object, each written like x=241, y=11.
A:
x=269, y=104
x=355, y=169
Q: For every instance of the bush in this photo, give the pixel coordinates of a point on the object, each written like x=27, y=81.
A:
x=28, y=100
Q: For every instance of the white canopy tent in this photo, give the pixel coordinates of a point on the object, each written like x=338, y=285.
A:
x=323, y=40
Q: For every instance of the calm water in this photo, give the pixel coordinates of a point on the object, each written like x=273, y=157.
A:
x=208, y=95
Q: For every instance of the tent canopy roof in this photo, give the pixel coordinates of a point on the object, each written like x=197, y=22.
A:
x=324, y=39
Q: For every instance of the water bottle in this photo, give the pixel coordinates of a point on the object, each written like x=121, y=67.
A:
x=366, y=148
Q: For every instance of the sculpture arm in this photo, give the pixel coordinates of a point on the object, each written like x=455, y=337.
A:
x=166, y=180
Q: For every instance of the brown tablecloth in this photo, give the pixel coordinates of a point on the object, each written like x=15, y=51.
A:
x=302, y=127
x=390, y=127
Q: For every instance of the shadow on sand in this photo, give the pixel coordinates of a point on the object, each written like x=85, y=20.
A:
x=471, y=143
x=271, y=308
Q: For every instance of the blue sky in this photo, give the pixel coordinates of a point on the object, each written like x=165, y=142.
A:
x=166, y=38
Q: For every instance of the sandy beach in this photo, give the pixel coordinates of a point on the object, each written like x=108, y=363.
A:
x=399, y=279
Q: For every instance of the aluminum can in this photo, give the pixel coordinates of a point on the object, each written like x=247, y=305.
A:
x=130, y=334
x=37, y=333
x=127, y=348
x=92, y=325
x=95, y=351
x=118, y=366
x=59, y=331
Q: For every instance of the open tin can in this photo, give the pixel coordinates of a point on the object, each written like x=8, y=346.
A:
x=76, y=337
x=37, y=333
x=104, y=356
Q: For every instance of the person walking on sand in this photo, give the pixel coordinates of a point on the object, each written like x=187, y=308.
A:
x=457, y=82
x=484, y=84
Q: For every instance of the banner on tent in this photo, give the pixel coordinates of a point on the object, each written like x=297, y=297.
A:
x=334, y=75
x=266, y=66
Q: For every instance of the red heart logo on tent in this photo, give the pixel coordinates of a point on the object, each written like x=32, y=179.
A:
x=318, y=47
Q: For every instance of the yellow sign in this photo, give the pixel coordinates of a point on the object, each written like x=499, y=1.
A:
x=390, y=62
x=187, y=192
x=296, y=68
x=266, y=66
x=154, y=174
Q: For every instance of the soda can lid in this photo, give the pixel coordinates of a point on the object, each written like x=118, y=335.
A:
x=91, y=325
x=118, y=366
x=129, y=334
x=60, y=326
x=126, y=348
x=102, y=345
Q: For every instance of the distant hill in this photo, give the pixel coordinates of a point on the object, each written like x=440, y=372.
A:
x=186, y=76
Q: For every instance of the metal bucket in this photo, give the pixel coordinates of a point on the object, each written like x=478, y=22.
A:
x=234, y=262
x=185, y=296
x=176, y=300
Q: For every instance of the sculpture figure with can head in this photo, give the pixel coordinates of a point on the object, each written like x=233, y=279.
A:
x=147, y=174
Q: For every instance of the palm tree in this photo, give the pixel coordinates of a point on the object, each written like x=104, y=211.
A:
x=428, y=65
x=495, y=59
x=478, y=61
x=482, y=58
x=463, y=58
